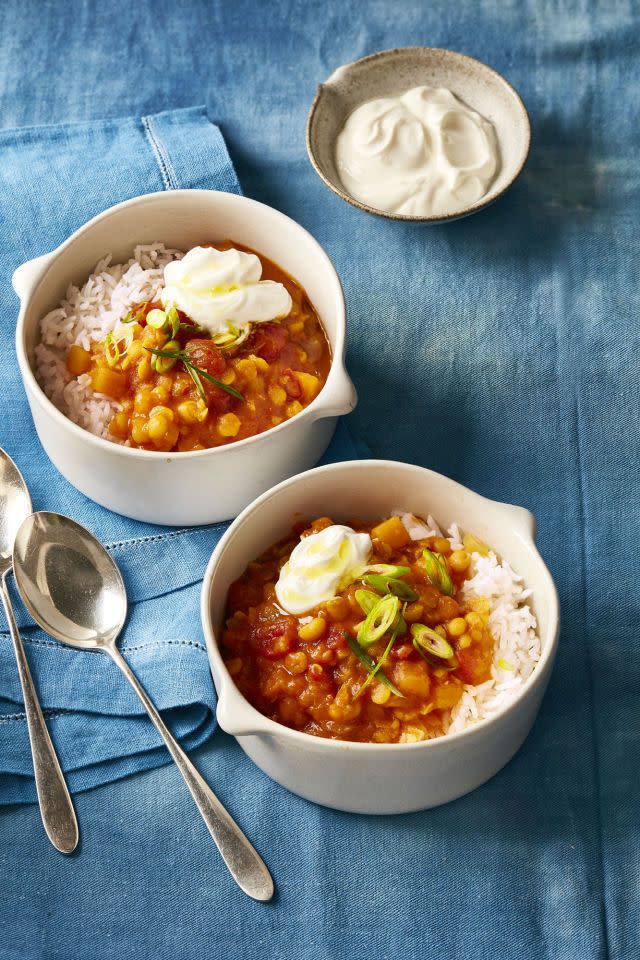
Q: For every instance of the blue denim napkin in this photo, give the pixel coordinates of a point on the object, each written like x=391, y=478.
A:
x=53, y=179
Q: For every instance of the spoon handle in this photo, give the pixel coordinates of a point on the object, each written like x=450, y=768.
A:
x=244, y=863
x=56, y=807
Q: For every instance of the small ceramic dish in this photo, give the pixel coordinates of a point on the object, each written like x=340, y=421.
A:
x=372, y=777
x=213, y=484
x=391, y=72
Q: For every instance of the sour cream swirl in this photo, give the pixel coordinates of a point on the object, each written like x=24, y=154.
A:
x=320, y=566
x=422, y=153
x=222, y=289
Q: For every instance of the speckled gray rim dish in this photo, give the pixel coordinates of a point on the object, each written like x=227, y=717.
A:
x=391, y=72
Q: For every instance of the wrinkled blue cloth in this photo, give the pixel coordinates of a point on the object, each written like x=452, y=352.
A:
x=501, y=350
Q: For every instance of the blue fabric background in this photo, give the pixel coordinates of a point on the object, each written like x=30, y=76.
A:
x=506, y=347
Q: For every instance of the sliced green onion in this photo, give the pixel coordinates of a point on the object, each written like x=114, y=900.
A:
x=388, y=569
x=367, y=600
x=161, y=364
x=173, y=321
x=427, y=640
x=111, y=350
x=390, y=585
x=438, y=572
x=133, y=315
x=505, y=666
x=370, y=665
x=156, y=319
x=379, y=620
x=378, y=665
x=197, y=382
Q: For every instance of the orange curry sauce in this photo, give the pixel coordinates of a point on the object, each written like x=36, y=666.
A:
x=301, y=672
x=279, y=370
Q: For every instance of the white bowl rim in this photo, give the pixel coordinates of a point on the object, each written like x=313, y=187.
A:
x=265, y=725
x=29, y=378
x=485, y=201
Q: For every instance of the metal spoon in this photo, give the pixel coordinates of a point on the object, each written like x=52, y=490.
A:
x=56, y=808
x=74, y=590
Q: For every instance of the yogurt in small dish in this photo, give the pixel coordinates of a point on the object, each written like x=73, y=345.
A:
x=422, y=153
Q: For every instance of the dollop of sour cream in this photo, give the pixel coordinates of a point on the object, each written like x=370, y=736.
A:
x=423, y=153
x=221, y=289
x=320, y=566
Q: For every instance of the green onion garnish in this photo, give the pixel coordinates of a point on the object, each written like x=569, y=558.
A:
x=133, y=315
x=380, y=618
x=390, y=585
x=388, y=569
x=194, y=372
x=111, y=350
x=367, y=600
x=370, y=665
x=173, y=321
x=438, y=572
x=504, y=665
x=156, y=319
x=428, y=641
x=162, y=364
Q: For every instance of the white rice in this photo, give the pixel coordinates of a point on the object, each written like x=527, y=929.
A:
x=511, y=622
x=88, y=314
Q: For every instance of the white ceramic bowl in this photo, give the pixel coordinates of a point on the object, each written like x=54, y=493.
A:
x=365, y=777
x=392, y=72
x=214, y=484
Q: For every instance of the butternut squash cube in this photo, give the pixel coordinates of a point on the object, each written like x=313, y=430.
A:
x=392, y=532
x=78, y=360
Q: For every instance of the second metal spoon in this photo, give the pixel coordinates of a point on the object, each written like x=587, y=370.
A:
x=56, y=806
x=74, y=590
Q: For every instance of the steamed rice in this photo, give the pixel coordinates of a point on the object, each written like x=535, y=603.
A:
x=511, y=622
x=87, y=314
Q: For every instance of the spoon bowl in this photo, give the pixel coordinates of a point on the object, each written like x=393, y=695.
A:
x=74, y=590
x=68, y=581
x=15, y=505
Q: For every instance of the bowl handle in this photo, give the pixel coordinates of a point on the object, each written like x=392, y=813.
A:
x=27, y=275
x=521, y=519
x=237, y=720
x=341, y=397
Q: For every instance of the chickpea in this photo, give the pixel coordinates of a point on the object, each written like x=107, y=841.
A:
x=414, y=612
x=139, y=430
x=188, y=411
x=229, y=425
x=456, y=627
x=459, y=560
x=277, y=395
x=296, y=662
x=313, y=630
x=464, y=642
x=157, y=427
x=119, y=425
x=338, y=608
x=441, y=545
x=380, y=694
x=247, y=368
x=293, y=408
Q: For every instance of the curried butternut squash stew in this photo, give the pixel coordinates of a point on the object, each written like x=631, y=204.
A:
x=359, y=632
x=228, y=347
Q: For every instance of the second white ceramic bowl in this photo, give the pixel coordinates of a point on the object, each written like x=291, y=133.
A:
x=369, y=777
x=215, y=484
